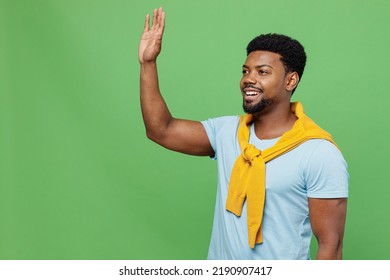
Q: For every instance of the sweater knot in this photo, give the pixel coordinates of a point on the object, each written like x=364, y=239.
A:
x=250, y=153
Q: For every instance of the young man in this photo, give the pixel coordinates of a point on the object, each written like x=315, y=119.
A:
x=281, y=177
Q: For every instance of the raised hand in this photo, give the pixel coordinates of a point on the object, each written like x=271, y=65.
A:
x=150, y=44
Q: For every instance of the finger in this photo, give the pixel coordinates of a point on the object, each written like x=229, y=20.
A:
x=154, y=21
x=146, y=24
x=162, y=21
x=158, y=18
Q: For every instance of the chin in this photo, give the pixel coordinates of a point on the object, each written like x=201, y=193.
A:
x=257, y=107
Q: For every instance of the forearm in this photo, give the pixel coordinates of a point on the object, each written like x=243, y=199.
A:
x=155, y=112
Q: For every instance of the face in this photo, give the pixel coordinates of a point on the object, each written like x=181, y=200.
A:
x=264, y=82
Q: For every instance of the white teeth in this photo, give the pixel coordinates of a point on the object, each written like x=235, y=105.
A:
x=251, y=93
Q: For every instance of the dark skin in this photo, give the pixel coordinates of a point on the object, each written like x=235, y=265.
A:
x=264, y=78
x=264, y=75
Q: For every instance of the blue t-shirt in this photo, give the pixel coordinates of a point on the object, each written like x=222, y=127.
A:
x=314, y=169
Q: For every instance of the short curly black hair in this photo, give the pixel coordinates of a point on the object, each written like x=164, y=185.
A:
x=291, y=51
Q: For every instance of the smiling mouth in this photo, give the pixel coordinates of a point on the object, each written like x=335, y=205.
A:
x=251, y=93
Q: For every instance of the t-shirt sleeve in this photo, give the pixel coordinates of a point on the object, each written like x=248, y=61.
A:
x=209, y=126
x=327, y=175
x=215, y=127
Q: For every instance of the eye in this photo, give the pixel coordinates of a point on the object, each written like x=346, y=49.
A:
x=263, y=72
x=244, y=71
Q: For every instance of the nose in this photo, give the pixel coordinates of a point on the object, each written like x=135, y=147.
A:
x=248, y=79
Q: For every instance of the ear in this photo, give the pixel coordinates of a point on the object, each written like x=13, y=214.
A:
x=292, y=81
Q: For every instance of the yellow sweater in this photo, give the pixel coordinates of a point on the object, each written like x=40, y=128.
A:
x=247, y=180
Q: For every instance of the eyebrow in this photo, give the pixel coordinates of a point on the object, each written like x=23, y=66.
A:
x=258, y=66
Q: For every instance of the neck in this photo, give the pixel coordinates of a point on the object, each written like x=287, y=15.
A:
x=273, y=124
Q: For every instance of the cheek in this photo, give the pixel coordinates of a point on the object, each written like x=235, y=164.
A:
x=274, y=83
x=241, y=83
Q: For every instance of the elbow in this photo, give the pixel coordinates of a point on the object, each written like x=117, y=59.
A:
x=330, y=250
x=157, y=132
x=155, y=137
x=339, y=250
x=150, y=135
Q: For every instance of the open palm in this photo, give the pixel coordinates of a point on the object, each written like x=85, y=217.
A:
x=150, y=44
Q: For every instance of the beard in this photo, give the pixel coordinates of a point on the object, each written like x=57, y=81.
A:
x=257, y=107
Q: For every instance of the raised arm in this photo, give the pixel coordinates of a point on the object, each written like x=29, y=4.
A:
x=327, y=218
x=183, y=136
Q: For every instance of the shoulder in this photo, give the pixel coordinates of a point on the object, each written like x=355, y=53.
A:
x=320, y=150
x=325, y=169
x=222, y=121
x=221, y=130
x=215, y=125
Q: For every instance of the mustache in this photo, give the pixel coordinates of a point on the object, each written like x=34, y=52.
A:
x=247, y=86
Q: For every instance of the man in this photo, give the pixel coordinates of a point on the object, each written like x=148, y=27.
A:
x=281, y=177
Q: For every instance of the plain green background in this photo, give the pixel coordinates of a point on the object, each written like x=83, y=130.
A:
x=80, y=180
